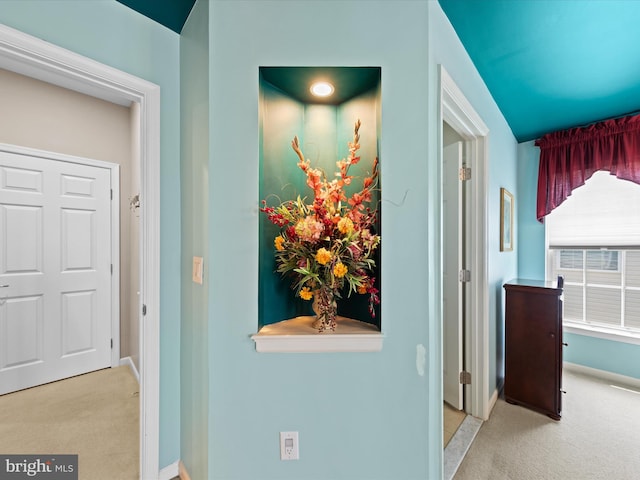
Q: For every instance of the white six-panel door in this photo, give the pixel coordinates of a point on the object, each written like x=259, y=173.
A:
x=55, y=270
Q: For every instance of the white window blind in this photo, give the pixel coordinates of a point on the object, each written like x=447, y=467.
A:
x=601, y=287
x=604, y=212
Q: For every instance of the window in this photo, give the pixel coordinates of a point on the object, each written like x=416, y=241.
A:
x=601, y=287
x=603, y=260
x=594, y=243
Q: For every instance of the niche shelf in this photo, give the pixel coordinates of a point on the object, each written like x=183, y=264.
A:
x=324, y=126
x=297, y=336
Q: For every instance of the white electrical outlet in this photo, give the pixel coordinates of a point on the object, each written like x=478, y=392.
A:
x=289, y=446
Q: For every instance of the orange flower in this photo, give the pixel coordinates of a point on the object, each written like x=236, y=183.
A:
x=306, y=294
x=345, y=226
x=279, y=240
x=340, y=270
x=323, y=256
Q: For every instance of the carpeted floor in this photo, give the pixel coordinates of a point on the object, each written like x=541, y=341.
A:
x=95, y=416
x=598, y=437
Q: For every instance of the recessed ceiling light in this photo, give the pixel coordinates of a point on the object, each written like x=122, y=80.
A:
x=322, y=89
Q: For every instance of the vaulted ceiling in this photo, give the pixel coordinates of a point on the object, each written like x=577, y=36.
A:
x=553, y=64
x=549, y=64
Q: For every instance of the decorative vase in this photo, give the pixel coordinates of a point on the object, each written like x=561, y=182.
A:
x=326, y=309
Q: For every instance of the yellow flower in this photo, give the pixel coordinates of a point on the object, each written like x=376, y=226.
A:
x=340, y=270
x=323, y=256
x=345, y=225
x=306, y=294
x=279, y=240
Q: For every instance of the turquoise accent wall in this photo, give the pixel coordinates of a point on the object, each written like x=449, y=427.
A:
x=281, y=118
x=194, y=187
x=115, y=35
x=602, y=354
x=323, y=132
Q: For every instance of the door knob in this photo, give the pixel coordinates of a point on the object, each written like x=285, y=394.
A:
x=4, y=286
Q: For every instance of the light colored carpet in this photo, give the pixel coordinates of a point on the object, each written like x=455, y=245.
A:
x=95, y=416
x=598, y=438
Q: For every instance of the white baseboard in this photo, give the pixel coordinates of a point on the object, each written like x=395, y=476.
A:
x=603, y=374
x=492, y=401
x=128, y=362
x=170, y=471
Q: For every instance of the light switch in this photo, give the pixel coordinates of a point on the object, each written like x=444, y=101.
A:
x=198, y=264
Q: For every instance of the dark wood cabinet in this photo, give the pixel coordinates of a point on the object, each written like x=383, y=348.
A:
x=533, y=345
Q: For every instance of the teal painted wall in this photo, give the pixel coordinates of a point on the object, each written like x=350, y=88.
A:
x=617, y=357
x=608, y=355
x=113, y=34
x=194, y=187
x=281, y=118
x=502, y=172
x=531, y=254
x=366, y=401
x=323, y=132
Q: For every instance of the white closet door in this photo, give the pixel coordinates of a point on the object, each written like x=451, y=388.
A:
x=55, y=270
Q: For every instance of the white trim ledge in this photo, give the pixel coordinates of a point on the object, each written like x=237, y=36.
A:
x=298, y=336
x=601, y=332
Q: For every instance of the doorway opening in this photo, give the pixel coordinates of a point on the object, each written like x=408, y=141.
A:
x=29, y=56
x=455, y=270
x=468, y=282
x=458, y=113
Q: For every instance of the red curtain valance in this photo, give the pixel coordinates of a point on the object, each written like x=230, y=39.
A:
x=568, y=158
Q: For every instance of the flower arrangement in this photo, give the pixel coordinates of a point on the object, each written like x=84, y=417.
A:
x=328, y=244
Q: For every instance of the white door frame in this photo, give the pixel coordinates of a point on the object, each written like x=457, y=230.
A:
x=456, y=110
x=114, y=174
x=30, y=56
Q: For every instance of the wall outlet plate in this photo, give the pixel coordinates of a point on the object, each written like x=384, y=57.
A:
x=289, y=446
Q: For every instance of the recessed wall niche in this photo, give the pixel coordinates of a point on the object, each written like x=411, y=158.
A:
x=324, y=126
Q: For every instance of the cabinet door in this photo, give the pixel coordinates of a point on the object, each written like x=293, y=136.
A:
x=532, y=337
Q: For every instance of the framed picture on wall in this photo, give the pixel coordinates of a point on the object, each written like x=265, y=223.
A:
x=506, y=220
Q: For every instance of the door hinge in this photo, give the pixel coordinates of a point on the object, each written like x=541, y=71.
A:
x=112, y=343
x=112, y=269
x=144, y=309
x=112, y=194
x=465, y=378
x=464, y=275
x=464, y=173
